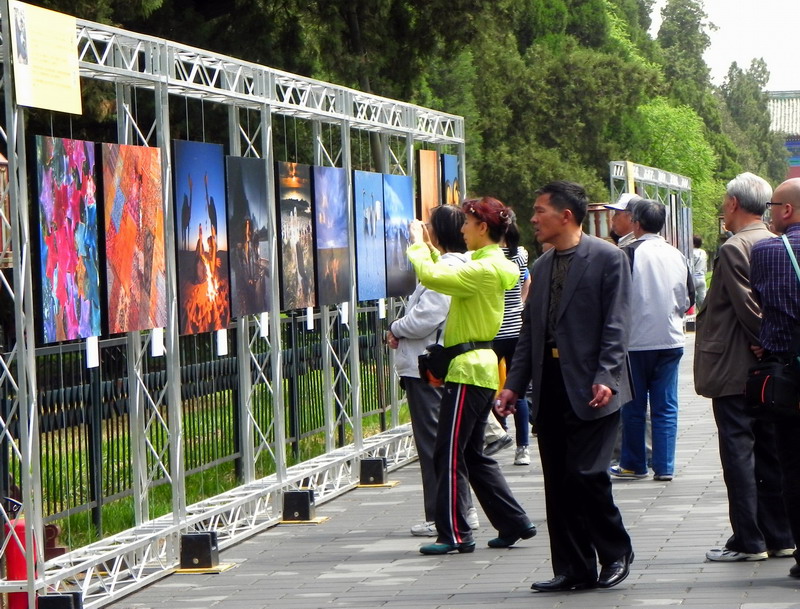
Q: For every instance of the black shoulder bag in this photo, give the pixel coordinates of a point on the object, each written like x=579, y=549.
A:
x=773, y=384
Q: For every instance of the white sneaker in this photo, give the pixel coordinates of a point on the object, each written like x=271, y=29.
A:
x=726, y=555
x=522, y=456
x=782, y=553
x=424, y=529
x=472, y=519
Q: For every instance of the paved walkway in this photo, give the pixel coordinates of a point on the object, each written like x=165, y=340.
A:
x=363, y=555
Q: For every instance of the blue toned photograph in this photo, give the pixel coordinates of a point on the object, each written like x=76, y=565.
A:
x=398, y=195
x=369, y=226
x=451, y=189
x=333, y=250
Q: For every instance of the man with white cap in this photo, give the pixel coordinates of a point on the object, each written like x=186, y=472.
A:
x=621, y=222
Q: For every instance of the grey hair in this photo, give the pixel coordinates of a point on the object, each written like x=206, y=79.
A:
x=651, y=215
x=751, y=191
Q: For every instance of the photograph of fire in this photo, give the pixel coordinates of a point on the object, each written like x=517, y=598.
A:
x=133, y=206
x=248, y=221
x=370, y=252
x=333, y=248
x=203, y=283
x=296, y=236
x=68, y=239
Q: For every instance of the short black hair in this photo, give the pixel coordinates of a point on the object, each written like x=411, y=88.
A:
x=566, y=195
x=651, y=215
x=446, y=223
x=697, y=240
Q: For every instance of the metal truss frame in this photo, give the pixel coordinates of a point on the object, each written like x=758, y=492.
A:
x=116, y=566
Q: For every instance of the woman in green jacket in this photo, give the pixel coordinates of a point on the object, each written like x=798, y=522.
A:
x=477, y=290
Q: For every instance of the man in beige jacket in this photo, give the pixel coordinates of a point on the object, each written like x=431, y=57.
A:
x=727, y=340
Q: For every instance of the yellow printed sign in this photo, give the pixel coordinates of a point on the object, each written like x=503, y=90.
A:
x=45, y=58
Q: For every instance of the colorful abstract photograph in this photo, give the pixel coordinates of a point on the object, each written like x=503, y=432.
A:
x=248, y=232
x=427, y=182
x=333, y=247
x=369, y=226
x=68, y=238
x=202, y=226
x=133, y=206
x=451, y=188
x=296, y=236
x=398, y=195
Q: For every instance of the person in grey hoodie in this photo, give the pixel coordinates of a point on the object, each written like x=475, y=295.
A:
x=422, y=325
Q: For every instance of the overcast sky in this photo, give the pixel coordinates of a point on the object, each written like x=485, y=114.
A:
x=748, y=29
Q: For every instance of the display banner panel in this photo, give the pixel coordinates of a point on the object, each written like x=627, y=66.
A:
x=370, y=234
x=428, y=179
x=133, y=207
x=333, y=235
x=248, y=232
x=398, y=195
x=202, y=240
x=298, y=286
x=68, y=239
x=451, y=187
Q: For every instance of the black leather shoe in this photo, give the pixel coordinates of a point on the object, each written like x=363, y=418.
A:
x=614, y=573
x=506, y=541
x=794, y=571
x=562, y=583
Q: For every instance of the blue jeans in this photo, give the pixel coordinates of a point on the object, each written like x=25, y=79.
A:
x=655, y=374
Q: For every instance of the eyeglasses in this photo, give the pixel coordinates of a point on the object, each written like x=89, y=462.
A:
x=770, y=203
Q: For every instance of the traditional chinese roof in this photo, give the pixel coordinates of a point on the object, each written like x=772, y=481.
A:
x=784, y=108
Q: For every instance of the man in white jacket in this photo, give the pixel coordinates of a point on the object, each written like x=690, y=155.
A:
x=422, y=325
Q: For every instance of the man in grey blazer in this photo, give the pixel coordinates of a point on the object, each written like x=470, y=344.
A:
x=728, y=324
x=573, y=348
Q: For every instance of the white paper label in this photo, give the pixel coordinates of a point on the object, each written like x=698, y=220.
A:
x=222, y=342
x=309, y=318
x=92, y=352
x=264, y=323
x=381, y=308
x=157, y=342
x=344, y=312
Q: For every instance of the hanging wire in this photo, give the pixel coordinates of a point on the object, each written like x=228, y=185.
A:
x=294, y=119
x=285, y=141
x=203, y=118
x=186, y=103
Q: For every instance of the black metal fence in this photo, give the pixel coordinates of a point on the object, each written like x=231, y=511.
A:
x=85, y=436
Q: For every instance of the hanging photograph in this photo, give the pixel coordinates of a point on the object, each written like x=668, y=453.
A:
x=296, y=236
x=68, y=239
x=428, y=195
x=248, y=232
x=333, y=249
x=451, y=187
x=369, y=225
x=201, y=222
x=133, y=207
x=398, y=195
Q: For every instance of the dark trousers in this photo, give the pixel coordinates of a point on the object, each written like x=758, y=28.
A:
x=460, y=463
x=788, y=439
x=752, y=472
x=423, y=406
x=583, y=522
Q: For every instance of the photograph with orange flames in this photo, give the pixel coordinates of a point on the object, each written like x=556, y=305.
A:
x=333, y=234
x=134, y=228
x=398, y=199
x=298, y=288
x=427, y=183
x=451, y=188
x=248, y=231
x=68, y=239
x=370, y=234
x=202, y=237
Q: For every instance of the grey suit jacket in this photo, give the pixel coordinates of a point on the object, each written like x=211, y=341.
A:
x=591, y=331
x=729, y=320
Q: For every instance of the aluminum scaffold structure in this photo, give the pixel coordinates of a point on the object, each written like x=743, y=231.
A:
x=116, y=566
